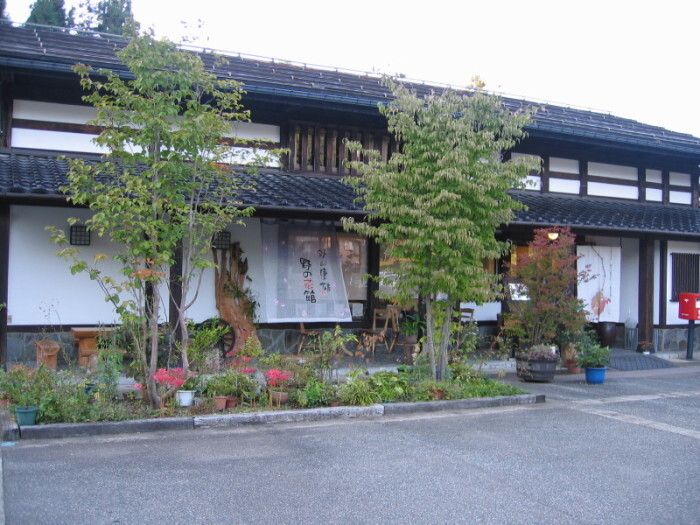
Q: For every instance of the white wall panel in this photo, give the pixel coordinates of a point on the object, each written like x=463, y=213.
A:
x=564, y=186
x=654, y=194
x=39, y=280
x=563, y=165
x=618, y=191
x=672, y=307
x=50, y=112
x=251, y=242
x=679, y=179
x=251, y=130
x=614, y=171
x=54, y=141
x=653, y=176
x=680, y=197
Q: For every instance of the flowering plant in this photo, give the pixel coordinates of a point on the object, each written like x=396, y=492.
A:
x=278, y=378
x=174, y=378
x=546, y=352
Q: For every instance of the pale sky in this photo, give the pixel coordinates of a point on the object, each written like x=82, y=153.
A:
x=636, y=59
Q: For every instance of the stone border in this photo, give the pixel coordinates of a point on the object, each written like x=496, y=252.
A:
x=11, y=432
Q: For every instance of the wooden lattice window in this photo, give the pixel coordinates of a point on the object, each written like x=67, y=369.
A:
x=321, y=149
x=685, y=274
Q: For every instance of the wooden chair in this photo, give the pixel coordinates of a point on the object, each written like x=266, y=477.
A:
x=466, y=315
x=374, y=336
x=308, y=339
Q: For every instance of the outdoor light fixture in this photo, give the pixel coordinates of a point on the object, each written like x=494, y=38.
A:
x=553, y=236
x=79, y=235
x=222, y=240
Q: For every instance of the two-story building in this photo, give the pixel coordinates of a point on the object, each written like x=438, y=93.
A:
x=628, y=190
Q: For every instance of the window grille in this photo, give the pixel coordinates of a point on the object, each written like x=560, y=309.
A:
x=685, y=274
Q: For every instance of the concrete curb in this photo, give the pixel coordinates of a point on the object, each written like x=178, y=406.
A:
x=288, y=416
x=462, y=404
x=66, y=430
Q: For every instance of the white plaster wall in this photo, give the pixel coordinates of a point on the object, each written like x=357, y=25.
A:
x=629, y=270
x=672, y=307
x=564, y=186
x=54, y=141
x=51, y=112
x=251, y=242
x=618, y=191
x=563, y=165
x=679, y=179
x=680, y=197
x=654, y=194
x=614, y=171
x=653, y=176
x=252, y=130
x=39, y=281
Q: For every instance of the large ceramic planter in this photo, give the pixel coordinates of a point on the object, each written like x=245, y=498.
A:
x=25, y=416
x=220, y=402
x=607, y=333
x=536, y=369
x=185, y=398
x=595, y=376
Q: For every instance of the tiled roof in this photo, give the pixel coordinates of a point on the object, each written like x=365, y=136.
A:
x=53, y=49
x=35, y=175
x=606, y=214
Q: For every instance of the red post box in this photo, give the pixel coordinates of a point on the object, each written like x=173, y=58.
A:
x=689, y=306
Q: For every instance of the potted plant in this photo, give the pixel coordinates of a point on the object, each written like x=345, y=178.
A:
x=595, y=358
x=186, y=392
x=537, y=363
x=411, y=326
x=277, y=382
x=220, y=388
x=541, y=301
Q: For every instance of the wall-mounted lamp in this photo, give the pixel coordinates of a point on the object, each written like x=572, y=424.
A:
x=553, y=236
x=222, y=240
x=79, y=235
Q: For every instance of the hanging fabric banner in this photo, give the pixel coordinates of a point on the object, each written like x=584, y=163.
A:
x=602, y=294
x=303, y=274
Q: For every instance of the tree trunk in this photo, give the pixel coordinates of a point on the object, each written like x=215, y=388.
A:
x=430, y=339
x=232, y=301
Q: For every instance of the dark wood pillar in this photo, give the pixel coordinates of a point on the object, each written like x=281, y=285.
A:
x=4, y=270
x=646, y=295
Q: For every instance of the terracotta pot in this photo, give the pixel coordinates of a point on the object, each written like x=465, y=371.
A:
x=572, y=366
x=220, y=402
x=231, y=402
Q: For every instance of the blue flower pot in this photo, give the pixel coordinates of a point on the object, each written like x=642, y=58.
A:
x=595, y=376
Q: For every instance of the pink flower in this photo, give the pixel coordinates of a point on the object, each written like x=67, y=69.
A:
x=249, y=370
x=277, y=377
x=174, y=377
x=138, y=386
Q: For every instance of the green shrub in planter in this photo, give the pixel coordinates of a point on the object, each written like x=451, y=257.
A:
x=594, y=356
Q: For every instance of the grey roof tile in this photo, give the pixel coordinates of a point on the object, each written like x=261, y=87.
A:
x=55, y=49
x=34, y=175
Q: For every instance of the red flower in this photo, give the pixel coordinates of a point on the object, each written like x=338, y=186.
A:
x=277, y=377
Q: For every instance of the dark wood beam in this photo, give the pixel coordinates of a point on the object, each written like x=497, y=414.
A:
x=646, y=294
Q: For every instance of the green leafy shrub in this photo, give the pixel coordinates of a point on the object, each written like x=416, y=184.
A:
x=357, y=390
x=390, y=386
x=314, y=394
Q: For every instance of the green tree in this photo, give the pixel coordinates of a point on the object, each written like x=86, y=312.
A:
x=109, y=16
x=167, y=185
x=436, y=204
x=50, y=13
